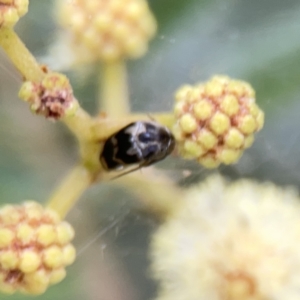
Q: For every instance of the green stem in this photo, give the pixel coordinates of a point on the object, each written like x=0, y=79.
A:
x=102, y=128
x=113, y=98
x=65, y=197
x=157, y=192
x=19, y=55
x=79, y=123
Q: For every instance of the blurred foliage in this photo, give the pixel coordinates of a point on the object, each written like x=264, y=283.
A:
x=256, y=40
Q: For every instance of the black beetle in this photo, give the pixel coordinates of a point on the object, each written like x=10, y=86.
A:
x=141, y=143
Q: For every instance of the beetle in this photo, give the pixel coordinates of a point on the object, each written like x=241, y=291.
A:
x=140, y=143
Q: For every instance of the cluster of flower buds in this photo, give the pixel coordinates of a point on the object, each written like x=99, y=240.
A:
x=52, y=97
x=216, y=121
x=34, y=248
x=107, y=30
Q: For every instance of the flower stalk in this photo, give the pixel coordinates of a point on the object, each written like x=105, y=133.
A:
x=113, y=95
x=20, y=56
x=69, y=191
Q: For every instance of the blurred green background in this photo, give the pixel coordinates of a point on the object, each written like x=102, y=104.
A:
x=257, y=41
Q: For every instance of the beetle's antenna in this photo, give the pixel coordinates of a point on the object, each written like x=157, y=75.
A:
x=126, y=172
x=151, y=118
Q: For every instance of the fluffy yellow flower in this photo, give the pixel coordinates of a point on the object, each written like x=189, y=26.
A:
x=225, y=241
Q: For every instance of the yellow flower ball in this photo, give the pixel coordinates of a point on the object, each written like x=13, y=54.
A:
x=219, y=117
x=106, y=30
x=35, y=248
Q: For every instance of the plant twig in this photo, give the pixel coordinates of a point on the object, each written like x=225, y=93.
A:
x=102, y=128
x=79, y=123
x=157, y=192
x=71, y=188
x=19, y=55
x=113, y=96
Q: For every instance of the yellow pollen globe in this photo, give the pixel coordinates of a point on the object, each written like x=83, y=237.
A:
x=216, y=120
x=106, y=30
x=35, y=248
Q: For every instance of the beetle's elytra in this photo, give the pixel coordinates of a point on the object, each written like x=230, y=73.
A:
x=140, y=143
